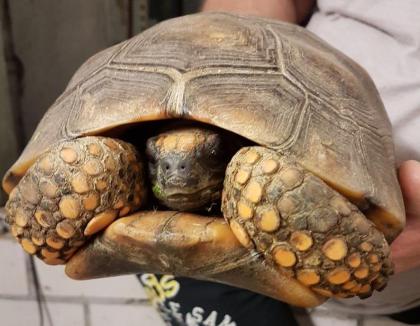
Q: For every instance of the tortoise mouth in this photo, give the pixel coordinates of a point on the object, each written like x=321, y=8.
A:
x=180, y=193
x=190, y=198
x=203, y=199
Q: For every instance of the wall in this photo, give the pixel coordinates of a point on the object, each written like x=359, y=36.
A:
x=53, y=38
x=8, y=136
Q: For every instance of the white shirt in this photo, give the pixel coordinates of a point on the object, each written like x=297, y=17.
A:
x=383, y=36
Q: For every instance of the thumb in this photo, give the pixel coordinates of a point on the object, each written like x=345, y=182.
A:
x=409, y=178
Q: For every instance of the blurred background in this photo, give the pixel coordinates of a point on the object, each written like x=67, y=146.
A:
x=42, y=43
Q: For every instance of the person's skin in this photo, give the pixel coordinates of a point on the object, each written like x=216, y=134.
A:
x=406, y=248
x=292, y=11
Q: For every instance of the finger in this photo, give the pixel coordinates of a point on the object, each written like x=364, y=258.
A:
x=409, y=177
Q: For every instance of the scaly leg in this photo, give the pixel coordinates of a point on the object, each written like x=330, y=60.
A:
x=72, y=191
x=306, y=228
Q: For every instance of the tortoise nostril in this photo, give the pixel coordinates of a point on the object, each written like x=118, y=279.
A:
x=174, y=165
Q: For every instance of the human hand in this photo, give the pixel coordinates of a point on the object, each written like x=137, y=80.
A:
x=405, y=250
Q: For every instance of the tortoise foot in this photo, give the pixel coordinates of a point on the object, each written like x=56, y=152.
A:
x=303, y=226
x=72, y=191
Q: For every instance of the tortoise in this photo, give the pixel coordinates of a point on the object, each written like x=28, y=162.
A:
x=208, y=116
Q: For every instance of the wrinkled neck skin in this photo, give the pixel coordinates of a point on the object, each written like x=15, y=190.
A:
x=187, y=168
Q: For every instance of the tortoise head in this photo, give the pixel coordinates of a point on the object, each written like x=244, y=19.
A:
x=187, y=167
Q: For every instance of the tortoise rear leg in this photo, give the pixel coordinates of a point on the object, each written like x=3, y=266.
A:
x=72, y=191
x=306, y=228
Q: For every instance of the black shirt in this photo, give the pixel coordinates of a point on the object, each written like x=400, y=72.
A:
x=184, y=301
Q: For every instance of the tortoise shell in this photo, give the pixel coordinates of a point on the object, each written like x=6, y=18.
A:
x=273, y=83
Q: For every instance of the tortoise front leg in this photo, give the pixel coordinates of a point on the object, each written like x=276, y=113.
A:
x=303, y=226
x=72, y=191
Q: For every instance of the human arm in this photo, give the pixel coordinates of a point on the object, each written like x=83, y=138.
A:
x=292, y=11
